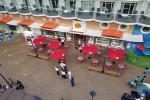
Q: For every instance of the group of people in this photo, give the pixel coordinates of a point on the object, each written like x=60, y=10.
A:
x=63, y=71
x=137, y=80
x=17, y=84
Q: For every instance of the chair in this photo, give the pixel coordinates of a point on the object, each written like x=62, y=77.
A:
x=122, y=70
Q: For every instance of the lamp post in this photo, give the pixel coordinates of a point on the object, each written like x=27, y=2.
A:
x=104, y=56
x=6, y=80
x=92, y=94
x=34, y=48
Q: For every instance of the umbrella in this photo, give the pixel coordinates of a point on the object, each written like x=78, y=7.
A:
x=89, y=49
x=54, y=44
x=39, y=40
x=57, y=54
x=145, y=87
x=116, y=54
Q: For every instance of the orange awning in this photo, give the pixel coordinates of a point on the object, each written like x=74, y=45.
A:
x=6, y=19
x=49, y=25
x=112, y=33
x=26, y=22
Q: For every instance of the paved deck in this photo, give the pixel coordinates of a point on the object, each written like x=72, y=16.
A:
x=39, y=77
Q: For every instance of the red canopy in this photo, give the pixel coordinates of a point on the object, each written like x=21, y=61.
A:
x=54, y=44
x=116, y=54
x=57, y=54
x=39, y=40
x=89, y=49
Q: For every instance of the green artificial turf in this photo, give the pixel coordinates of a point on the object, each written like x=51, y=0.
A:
x=139, y=61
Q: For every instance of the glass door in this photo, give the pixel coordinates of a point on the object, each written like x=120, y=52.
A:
x=148, y=10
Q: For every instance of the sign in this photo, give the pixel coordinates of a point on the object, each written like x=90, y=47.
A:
x=79, y=26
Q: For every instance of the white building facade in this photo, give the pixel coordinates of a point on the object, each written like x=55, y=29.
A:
x=82, y=19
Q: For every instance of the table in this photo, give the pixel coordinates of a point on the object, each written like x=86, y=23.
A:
x=121, y=66
x=95, y=61
x=98, y=52
x=80, y=58
x=49, y=51
x=40, y=49
x=108, y=63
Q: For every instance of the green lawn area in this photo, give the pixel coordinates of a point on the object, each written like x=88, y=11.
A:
x=138, y=61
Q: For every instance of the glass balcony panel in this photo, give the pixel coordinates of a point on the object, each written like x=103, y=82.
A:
x=103, y=16
x=68, y=13
x=51, y=12
x=126, y=18
x=24, y=10
x=86, y=14
x=12, y=9
x=144, y=19
x=37, y=11
x=2, y=8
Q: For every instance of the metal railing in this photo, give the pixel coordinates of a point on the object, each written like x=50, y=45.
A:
x=84, y=14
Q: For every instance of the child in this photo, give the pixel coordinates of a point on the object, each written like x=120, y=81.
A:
x=146, y=70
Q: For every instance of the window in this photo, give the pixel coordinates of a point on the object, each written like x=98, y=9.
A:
x=39, y=3
x=87, y=5
x=53, y=3
x=106, y=6
x=70, y=4
x=148, y=10
x=26, y=2
x=14, y=2
x=128, y=8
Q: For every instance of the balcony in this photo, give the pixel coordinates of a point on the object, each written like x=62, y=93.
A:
x=53, y=12
x=12, y=8
x=85, y=14
x=37, y=11
x=103, y=16
x=67, y=13
x=127, y=18
x=144, y=19
x=24, y=10
x=2, y=8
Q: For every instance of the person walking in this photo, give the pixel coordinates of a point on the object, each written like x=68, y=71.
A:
x=66, y=70
x=69, y=75
x=57, y=70
x=72, y=81
x=20, y=85
x=79, y=42
x=80, y=48
x=63, y=74
x=62, y=41
x=62, y=65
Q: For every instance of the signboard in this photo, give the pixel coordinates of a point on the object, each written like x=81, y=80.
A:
x=79, y=26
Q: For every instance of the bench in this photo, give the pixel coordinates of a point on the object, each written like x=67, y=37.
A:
x=112, y=72
x=39, y=55
x=98, y=69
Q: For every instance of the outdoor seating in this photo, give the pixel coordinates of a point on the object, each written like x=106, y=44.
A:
x=48, y=51
x=98, y=53
x=80, y=58
x=95, y=61
x=108, y=65
x=40, y=50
